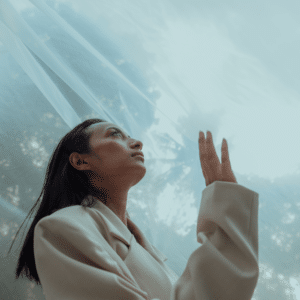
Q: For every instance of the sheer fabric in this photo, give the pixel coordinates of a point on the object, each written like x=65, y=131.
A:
x=163, y=71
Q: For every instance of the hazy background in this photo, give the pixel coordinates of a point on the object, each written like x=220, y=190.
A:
x=163, y=70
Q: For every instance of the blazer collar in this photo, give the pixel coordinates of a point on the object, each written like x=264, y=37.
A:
x=124, y=233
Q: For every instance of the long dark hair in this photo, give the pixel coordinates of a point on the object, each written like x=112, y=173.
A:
x=63, y=186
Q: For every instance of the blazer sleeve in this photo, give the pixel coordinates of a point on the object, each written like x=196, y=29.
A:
x=225, y=266
x=75, y=262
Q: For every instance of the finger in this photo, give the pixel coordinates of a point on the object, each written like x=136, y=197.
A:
x=227, y=173
x=202, y=155
x=213, y=158
x=203, y=158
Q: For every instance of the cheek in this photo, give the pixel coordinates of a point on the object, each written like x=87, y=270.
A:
x=111, y=150
x=116, y=147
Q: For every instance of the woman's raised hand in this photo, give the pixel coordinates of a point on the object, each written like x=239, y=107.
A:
x=211, y=168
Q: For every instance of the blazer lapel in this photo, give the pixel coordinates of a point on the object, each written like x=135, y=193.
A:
x=118, y=230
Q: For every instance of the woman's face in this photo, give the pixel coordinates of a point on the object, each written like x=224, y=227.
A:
x=112, y=151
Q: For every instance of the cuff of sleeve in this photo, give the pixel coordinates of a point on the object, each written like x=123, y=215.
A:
x=233, y=208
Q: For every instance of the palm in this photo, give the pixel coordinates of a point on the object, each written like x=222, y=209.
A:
x=212, y=169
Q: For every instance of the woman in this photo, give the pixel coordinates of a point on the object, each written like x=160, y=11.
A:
x=83, y=245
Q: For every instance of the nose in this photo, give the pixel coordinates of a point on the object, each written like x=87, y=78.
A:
x=138, y=144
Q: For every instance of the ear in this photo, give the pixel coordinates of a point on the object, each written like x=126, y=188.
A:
x=78, y=161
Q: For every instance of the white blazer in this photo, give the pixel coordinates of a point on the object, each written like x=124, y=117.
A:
x=90, y=254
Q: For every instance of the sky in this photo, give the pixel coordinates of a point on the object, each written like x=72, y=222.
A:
x=236, y=61
x=232, y=62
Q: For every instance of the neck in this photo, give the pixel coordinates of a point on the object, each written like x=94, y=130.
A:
x=116, y=202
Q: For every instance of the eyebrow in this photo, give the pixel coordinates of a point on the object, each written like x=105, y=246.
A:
x=112, y=127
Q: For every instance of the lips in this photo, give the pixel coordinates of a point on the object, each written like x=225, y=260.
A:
x=138, y=153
